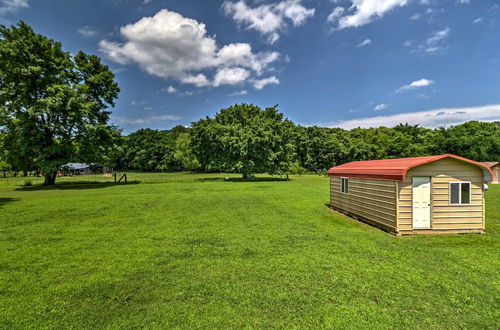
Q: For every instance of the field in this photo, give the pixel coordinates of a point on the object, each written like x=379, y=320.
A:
x=195, y=251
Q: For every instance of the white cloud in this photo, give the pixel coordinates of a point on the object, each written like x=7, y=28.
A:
x=408, y=43
x=230, y=76
x=434, y=42
x=268, y=19
x=463, y=2
x=87, y=31
x=427, y=12
x=415, y=84
x=171, y=89
x=428, y=118
x=437, y=37
x=171, y=46
x=365, y=11
x=147, y=120
x=335, y=14
x=382, y=106
x=478, y=20
x=261, y=83
x=12, y=6
x=363, y=43
x=239, y=93
x=137, y=103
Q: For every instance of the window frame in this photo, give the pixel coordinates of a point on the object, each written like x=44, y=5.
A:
x=460, y=193
x=343, y=186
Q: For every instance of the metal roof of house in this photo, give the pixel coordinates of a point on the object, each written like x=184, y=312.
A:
x=491, y=164
x=77, y=166
x=395, y=169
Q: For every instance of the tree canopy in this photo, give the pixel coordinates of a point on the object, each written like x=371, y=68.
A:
x=244, y=139
x=53, y=106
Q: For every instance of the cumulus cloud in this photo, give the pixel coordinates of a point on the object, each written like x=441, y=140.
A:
x=428, y=118
x=171, y=90
x=12, y=6
x=363, y=43
x=268, y=19
x=171, y=46
x=415, y=84
x=379, y=107
x=335, y=14
x=230, y=76
x=364, y=12
x=261, y=83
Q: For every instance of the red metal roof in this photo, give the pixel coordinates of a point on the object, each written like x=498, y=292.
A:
x=394, y=169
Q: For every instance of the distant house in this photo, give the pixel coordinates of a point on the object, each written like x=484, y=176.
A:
x=495, y=168
x=84, y=169
x=419, y=195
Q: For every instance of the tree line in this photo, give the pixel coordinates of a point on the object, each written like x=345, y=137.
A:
x=54, y=109
x=246, y=139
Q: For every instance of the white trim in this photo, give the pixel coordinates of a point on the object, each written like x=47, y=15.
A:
x=460, y=193
x=346, y=178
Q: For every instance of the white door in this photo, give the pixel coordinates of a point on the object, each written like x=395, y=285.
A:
x=421, y=202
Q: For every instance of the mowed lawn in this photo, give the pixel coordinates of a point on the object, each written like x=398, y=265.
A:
x=196, y=251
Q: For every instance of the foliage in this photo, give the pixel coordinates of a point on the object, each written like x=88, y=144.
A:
x=215, y=254
x=184, y=152
x=149, y=150
x=475, y=140
x=52, y=104
x=245, y=139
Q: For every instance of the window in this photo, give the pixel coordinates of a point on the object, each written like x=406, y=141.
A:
x=344, y=185
x=459, y=193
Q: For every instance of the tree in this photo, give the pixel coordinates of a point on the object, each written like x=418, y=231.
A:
x=244, y=139
x=319, y=148
x=184, y=152
x=149, y=150
x=479, y=141
x=53, y=106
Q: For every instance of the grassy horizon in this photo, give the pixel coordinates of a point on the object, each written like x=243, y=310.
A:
x=195, y=251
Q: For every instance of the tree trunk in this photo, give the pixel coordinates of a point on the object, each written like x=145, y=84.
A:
x=50, y=178
x=246, y=176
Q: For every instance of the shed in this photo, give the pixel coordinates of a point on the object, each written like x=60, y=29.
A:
x=418, y=195
x=84, y=168
x=495, y=169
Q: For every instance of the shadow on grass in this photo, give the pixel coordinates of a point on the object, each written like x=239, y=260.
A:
x=82, y=185
x=244, y=180
x=7, y=200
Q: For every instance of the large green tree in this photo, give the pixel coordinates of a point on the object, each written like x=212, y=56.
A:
x=149, y=150
x=184, y=152
x=476, y=140
x=53, y=106
x=244, y=139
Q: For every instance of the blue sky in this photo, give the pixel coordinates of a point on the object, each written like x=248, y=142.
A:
x=327, y=62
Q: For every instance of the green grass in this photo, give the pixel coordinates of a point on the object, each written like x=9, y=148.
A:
x=199, y=252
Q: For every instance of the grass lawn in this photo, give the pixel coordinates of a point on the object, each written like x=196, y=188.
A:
x=196, y=251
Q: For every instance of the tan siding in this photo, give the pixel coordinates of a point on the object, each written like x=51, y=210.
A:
x=443, y=215
x=372, y=200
